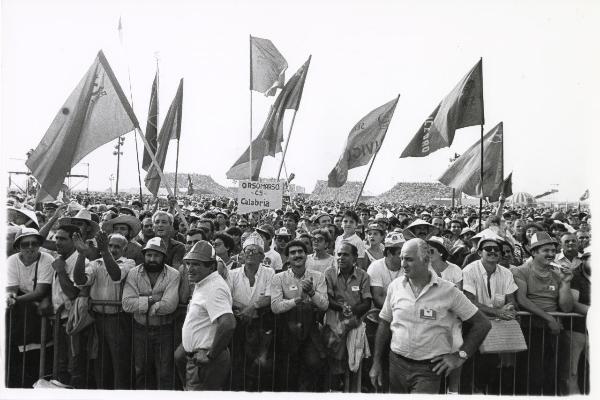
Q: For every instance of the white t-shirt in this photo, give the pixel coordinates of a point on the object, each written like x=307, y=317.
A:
x=211, y=299
x=355, y=240
x=21, y=275
x=452, y=273
x=273, y=259
x=315, y=264
x=380, y=275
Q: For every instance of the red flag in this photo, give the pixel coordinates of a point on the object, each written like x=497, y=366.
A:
x=171, y=129
x=95, y=113
x=364, y=141
x=462, y=107
x=464, y=174
x=240, y=168
x=152, y=124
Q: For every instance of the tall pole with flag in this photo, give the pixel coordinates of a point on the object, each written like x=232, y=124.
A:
x=481, y=139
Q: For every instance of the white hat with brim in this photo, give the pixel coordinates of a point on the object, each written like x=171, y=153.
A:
x=135, y=226
x=155, y=244
x=28, y=213
x=82, y=215
x=408, y=234
x=25, y=232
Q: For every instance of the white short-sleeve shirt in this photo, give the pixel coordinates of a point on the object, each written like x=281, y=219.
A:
x=475, y=276
x=243, y=293
x=21, y=275
x=211, y=299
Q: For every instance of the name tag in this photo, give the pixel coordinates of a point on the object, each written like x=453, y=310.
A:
x=428, y=313
x=551, y=288
x=355, y=288
x=293, y=287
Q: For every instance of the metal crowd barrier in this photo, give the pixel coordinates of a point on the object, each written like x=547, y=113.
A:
x=273, y=369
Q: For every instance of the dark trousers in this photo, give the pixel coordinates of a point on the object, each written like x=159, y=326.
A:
x=73, y=359
x=409, y=376
x=536, y=367
x=153, y=354
x=112, y=366
x=210, y=376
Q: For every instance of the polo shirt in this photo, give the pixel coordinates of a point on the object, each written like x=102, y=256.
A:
x=102, y=287
x=211, y=299
x=138, y=289
x=475, y=279
x=422, y=327
x=21, y=275
x=286, y=287
x=543, y=291
x=242, y=293
x=581, y=282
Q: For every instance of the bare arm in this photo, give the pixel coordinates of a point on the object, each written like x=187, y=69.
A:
x=40, y=291
x=479, y=330
x=378, y=296
x=224, y=333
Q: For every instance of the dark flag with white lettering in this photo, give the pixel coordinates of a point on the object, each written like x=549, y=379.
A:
x=363, y=142
x=462, y=107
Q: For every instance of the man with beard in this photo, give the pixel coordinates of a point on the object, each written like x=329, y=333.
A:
x=542, y=289
x=163, y=228
x=150, y=294
x=299, y=294
x=104, y=277
x=209, y=323
x=575, y=340
x=129, y=227
x=569, y=255
x=418, y=315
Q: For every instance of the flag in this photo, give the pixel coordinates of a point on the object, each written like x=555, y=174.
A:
x=464, y=174
x=364, y=141
x=288, y=99
x=171, y=129
x=506, y=189
x=240, y=168
x=190, y=190
x=152, y=124
x=462, y=107
x=585, y=195
x=267, y=66
x=95, y=113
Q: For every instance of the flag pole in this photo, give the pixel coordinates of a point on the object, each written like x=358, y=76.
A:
x=286, y=144
x=176, y=169
x=160, y=172
x=250, y=148
x=481, y=140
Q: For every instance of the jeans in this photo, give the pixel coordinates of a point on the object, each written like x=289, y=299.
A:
x=113, y=365
x=407, y=376
x=211, y=376
x=572, y=347
x=153, y=353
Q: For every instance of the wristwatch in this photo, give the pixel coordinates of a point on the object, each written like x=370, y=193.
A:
x=462, y=354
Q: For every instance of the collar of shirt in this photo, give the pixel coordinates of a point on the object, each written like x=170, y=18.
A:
x=561, y=256
x=352, y=275
x=143, y=271
x=208, y=279
x=434, y=280
x=484, y=271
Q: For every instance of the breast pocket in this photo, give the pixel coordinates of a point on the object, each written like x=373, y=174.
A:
x=430, y=314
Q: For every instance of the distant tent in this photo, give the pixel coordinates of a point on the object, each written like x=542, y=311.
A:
x=522, y=198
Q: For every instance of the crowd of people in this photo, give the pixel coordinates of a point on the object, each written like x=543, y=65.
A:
x=191, y=295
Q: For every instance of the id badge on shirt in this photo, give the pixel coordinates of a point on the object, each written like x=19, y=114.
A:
x=355, y=288
x=293, y=287
x=427, y=313
x=552, y=288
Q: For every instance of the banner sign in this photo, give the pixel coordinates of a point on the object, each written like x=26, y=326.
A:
x=255, y=196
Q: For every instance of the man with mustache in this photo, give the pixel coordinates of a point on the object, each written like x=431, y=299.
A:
x=151, y=295
x=299, y=294
x=569, y=255
x=209, y=323
x=543, y=288
x=104, y=277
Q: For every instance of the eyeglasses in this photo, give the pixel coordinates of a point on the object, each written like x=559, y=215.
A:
x=282, y=239
x=252, y=251
x=29, y=244
x=491, y=249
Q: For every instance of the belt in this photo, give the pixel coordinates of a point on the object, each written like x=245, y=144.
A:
x=410, y=360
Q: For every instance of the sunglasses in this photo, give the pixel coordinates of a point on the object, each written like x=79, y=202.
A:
x=29, y=244
x=251, y=252
x=491, y=249
x=281, y=239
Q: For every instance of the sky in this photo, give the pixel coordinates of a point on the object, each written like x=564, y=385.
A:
x=540, y=77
